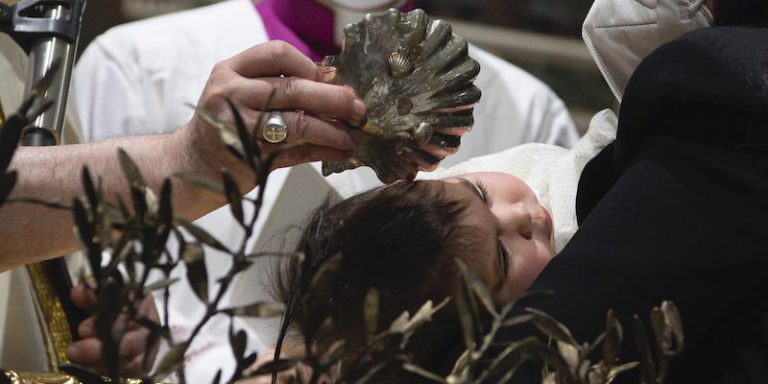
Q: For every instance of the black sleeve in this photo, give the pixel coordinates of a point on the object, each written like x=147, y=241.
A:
x=687, y=223
x=685, y=216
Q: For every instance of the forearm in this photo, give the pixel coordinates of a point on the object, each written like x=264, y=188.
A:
x=31, y=233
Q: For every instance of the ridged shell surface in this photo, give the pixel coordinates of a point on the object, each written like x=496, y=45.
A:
x=416, y=79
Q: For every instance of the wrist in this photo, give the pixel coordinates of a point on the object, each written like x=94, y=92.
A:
x=201, y=152
x=192, y=156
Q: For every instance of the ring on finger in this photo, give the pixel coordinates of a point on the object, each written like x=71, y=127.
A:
x=275, y=129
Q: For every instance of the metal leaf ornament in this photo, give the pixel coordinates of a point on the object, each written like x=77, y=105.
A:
x=415, y=77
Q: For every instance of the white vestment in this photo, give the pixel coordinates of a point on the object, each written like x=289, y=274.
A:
x=22, y=339
x=142, y=77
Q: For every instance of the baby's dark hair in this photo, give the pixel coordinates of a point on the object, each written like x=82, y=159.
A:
x=401, y=239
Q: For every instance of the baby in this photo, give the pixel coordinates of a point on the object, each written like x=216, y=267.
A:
x=504, y=215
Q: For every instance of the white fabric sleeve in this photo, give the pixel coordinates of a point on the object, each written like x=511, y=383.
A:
x=104, y=75
x=555, y=123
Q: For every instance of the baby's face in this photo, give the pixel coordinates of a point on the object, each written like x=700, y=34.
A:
x=516, y=231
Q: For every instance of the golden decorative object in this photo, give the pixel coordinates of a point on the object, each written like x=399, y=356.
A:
x=40, y=378
x=53, y=319
x=52, y=378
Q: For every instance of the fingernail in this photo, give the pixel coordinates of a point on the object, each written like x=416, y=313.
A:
x=359, y=110
x=328, y=74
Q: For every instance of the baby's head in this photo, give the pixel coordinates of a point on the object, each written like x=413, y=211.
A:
x=403, y=240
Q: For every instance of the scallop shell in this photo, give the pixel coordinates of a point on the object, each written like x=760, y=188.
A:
x=415, y=77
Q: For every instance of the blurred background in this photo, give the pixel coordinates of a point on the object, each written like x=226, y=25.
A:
x=541, y=36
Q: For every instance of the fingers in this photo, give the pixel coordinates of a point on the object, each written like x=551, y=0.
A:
x=149, y=309
x=83, y=297
x=85, y=352
x=133, y=368
x=87, y=328
x=133, y=344
x=293, y=93
x=273, y=59
x=309, y=129
x=309, y=153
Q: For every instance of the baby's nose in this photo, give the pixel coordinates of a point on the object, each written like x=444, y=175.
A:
x=517, y=220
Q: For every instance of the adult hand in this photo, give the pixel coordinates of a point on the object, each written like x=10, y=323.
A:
x=315, y=112
x=87, y=351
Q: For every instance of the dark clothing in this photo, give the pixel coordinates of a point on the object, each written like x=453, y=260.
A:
x=677, y=209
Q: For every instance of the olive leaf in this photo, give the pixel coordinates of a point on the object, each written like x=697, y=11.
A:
x=334, y=353
x=551, y=327
x=371, y=313
x=43, y=84
x=518, y=320
x=415, y=369
x=234, y=197
x=571, y=354
x=617, y=370
x=165, y=210
x=661, y=333
x=274, y=366
x=9, y=139
x=171, y=361
x=549, y=379
x=614, y=336
x=107, y=311
x=674, y=321
x=405, y=324
x=88, y=186
x=467, y=315
x=201, y=235
x=243, y=136
x=227, y=133
x=151, y=349
x=7, y=182
x=259, y=309
x=258, y=255
x=217, y=378
x=193, y=256
x=322, y=280
x=85, y=235
x=647, y=365
x=131, y=170
x=478, y=287
x=667, y=330
x=238, y=342
x=509, y=358
x=162, y=284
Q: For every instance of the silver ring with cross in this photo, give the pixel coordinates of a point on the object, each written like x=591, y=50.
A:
x=275, y=129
